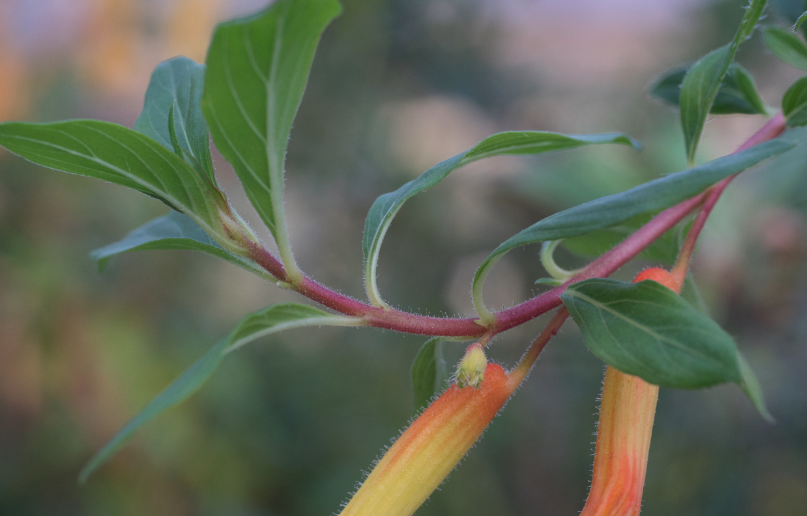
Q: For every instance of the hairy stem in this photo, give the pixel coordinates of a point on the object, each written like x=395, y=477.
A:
x=392, y=319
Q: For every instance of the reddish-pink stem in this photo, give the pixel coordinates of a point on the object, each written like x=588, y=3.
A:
x=605, y=265
x=769, y=131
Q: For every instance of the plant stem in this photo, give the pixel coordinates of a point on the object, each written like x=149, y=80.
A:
x=770, y=130
x=520, y=372
x=392, y=319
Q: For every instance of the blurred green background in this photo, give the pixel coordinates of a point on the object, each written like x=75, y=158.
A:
x=288, y=424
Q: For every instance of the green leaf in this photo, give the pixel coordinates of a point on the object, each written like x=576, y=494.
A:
x=119, y=155
x=178, y=83
x=647, y=330
x=172, y=231
x=702, y=81
x=611, y=210
x=386, y=206
x=698, y=91
x=257, y=71
x=788, y=47
x=798, y=23
x=429, y=373
x=259, y=324
x=737, y=94
x=794, y=103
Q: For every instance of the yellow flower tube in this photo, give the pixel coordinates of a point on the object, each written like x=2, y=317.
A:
x=431, y=447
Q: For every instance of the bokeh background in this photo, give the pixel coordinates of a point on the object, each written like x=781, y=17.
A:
x=288, y=424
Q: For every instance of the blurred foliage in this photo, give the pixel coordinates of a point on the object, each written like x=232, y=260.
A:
x=289, y=423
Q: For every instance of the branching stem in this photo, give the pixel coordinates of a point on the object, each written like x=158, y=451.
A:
x=603, y=266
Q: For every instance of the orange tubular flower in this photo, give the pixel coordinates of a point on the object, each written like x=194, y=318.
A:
x=431, y=447
x=627, y=411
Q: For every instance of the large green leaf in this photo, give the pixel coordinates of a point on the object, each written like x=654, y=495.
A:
x=737, y=94
x=647, y=330
x=119, y=155
x=259, y=324
x=386, y=206
x=794, y=103
x=786, y=46
x=178, y=83
x=429, y=372
x=611, y=210
x=257, y=69
x=172, y=231
x=702, y=81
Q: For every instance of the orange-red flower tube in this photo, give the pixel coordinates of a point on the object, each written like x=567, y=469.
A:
x=431, y=447
x=627, y=411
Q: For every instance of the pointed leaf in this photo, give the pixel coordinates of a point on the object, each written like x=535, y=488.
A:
x=386, y=206
x=698, y=91
x=788, y=47
x=647, y=330
x=700, y=85
x=429, y=373
x=737, y=94
x=611, y=210
x=257, y=71
x=178, y=82
x=119, y=155
x=264, y=322
x=172, y=231
x=794, y=103
x=799, y=21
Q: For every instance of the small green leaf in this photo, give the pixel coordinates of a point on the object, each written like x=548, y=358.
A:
x=172, y=231
x=429, y=373
x=611, y=210
x=702, y=81
x=751, y=388
x=172, y=133
x=794, y=103
x=737, y=94
x=178, y=83
x=386, y=206
x=798, y=23
x=788, y=47
x=258, y=67
x=119, y=155
x=647, y=330
x=698, y=91
x=259, y=324
x=664, y=249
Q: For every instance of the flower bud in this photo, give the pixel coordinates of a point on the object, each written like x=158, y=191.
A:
x=431, y=447
x=471, y=369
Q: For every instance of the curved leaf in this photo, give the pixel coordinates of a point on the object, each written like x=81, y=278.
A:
x=386, y=206
x=786, y=46
x=119, y=155
x=178, y=82
x=257, y=71
x=172, y=231
x=737, y=94
x=264, y=322
x=801, y=19
x=700, y=85
x=429, y=372
x=794, y=103
x=611, y=210
x=647, y=330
